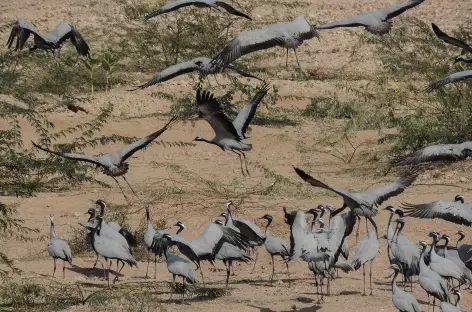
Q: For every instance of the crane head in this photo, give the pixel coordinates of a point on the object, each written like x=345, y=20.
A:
x=223, y=214
x=167, y=236
x=268, y=217
x=459, y=198
x=390, y=208
x=461, y=233
x=51, y=217
x=219, y=222
x=180, y=224
x=395, y=267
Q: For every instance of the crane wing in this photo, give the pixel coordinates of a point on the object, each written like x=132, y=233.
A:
x=175, y=5
x=214, y=233
x=317, y=183
x=451, y=40
x=77, y=157
x=248, y=42
x=456, y=77
x=355, y=21
x=64, y=31
x=443, y=209
x=397, y=9
x=245, y=116
x=231, y=10
x=170, y=73
x=384, y=192
x=242, y=73
x=431, y=153
x=21, y=30
x=210, y=109
x=123, y=154
x=250, y=231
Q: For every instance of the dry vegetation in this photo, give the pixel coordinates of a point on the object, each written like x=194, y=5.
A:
x=341, y=120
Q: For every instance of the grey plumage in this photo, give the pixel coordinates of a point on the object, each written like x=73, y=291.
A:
x=124, y=232
x=58, y=248
x=366, y=251
x=443, y=266
x=199, y=64
x=113, y=164
x=178, y=266
x=110, y=249
x=464, y=250
x=456, y=211
x=228, y=135
x=402, y=300
x=148, y=238
x=275, y=246
x=448, y=307
x=438, y=152
x=453, y=78
x=377, y=22
x=452, y=254
x=365, y=204
x=431, y=281
x=287, y=35
x=177, y=4
x=451, y=40
x=22, y=29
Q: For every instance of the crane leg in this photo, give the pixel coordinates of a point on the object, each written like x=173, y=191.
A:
x=240, y=161
x=227, y=273
x=257, y=256
x=296, y=57
x=366, y=226
x=363, y=273
x=155, y=265
x=317, y=291
x=288, y=274
x=96, y=261
x=247, y=171
x=108, y=272
x=434, y=302
x=147, y=268
x=119, y=271
x=126, y=198
x=370, y=276
x=231, y=268
x=201, y=273
x=321, y=288
x=63, y=269
x=173, y=286
x=124, y=178
x=54, y=272
x=183, y=289
x=286, y=59
x=273, y=269
x=428, y=302
x=328, y=288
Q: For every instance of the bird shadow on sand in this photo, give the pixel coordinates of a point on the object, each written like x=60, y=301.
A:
x=316, y=307
x=95, y=272
x=349, y=293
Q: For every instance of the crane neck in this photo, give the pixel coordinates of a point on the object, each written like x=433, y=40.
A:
x=179, y=230
x=266, y=232
x=459, y=240
x=389, y=225
x=52, y=232
x=394, y=282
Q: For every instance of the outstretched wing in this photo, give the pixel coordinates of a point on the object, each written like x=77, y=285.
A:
x=231, y=10
x=242, y=73
x=126, y=152
x=355, y=21
x=175, y=5
x=64, y=31
x=21, y=30
x=456, y=77
x=210, y=109
x=384, y=192
x=443, y=209
x=397, y=9
x=77, y=157
x=245, y=116
x=451, y=40
x=248, y=42
x=170, y=73
x=317, y=183
x=431, y=153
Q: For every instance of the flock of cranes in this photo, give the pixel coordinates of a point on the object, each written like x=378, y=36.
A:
x=441, y=270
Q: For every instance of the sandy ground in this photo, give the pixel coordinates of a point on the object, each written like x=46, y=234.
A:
x=277, y=149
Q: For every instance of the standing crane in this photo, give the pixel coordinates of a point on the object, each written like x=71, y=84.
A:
x=402, y=300
x=58, y=248
x=366, y=251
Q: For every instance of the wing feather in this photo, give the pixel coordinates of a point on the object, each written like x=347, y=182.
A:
x=210, y=109
x=21, y=30
x=384, y=192
x=438, y=152
x=443, y=209
x=77, y=157
x=231, y=10
x=456, y=77
x=245, y=116
x=175, y=5
x=126, y=152
x=170, y=73
x=397, y=9
x=451, y=40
